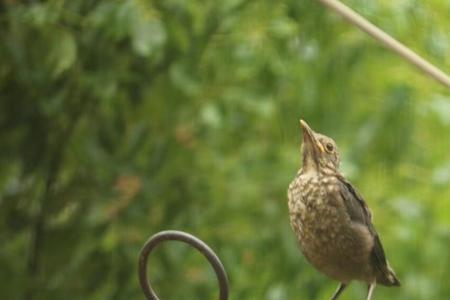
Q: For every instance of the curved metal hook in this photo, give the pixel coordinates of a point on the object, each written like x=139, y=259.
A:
x=174, y=235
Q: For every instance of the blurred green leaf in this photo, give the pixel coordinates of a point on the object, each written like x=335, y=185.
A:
x=64, y=53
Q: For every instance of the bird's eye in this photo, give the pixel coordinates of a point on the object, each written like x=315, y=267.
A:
x=329, y=147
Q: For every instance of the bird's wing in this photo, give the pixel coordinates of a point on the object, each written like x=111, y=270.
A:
x=359, y=212
x=355, y=204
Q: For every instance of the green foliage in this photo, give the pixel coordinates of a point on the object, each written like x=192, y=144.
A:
x=122, y=118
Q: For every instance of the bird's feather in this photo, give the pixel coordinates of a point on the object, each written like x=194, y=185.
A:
x=359, y=212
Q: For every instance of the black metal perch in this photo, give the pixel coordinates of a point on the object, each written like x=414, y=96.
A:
x=174, y=235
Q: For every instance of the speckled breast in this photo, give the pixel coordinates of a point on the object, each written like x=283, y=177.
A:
x=325, y=232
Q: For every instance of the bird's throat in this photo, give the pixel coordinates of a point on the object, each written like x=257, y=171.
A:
x=310, y=165
x=310, y=160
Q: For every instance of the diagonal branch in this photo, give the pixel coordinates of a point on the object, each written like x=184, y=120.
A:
x=388, y=41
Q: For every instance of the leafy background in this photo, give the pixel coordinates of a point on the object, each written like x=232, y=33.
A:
x=122, y=118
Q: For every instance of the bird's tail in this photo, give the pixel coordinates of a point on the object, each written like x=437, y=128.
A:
x=388, y=277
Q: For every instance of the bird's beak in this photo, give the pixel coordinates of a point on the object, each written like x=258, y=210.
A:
x=309, y=140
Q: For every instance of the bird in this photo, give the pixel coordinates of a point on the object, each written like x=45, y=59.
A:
x=332, y=221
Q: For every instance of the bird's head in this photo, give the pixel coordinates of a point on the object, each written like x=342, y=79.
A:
x=319, y=151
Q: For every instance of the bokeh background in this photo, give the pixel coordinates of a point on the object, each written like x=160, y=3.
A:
x=122, y=118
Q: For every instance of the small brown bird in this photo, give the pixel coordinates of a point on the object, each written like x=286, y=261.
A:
x=331, y=220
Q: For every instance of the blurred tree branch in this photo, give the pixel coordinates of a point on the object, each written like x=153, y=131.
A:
x=38, y=229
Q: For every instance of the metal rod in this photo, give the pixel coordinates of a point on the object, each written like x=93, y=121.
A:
x=391, y=43
x=174, y=235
